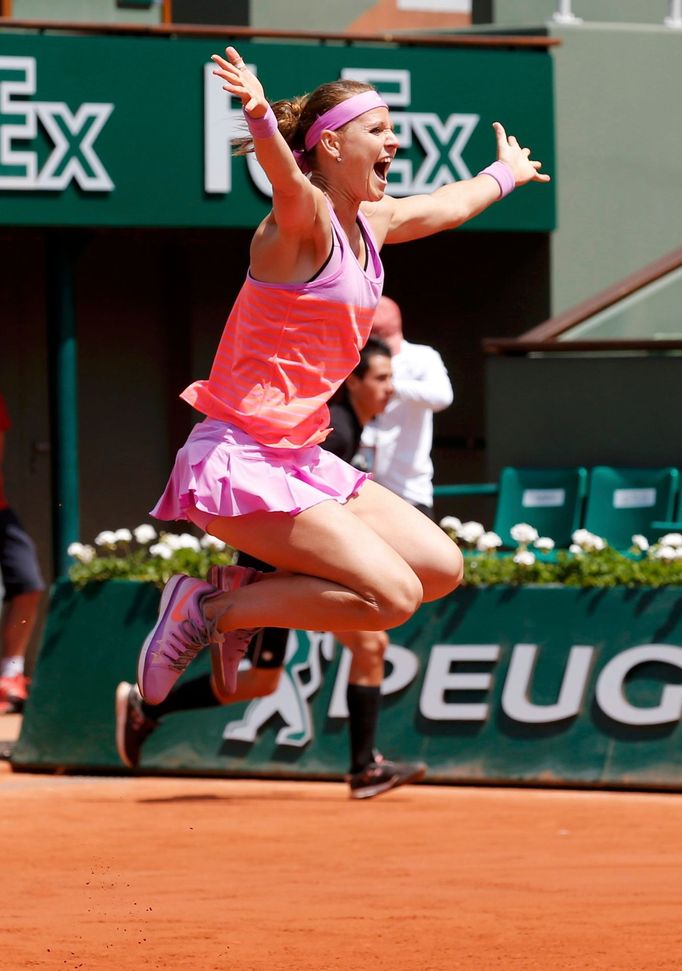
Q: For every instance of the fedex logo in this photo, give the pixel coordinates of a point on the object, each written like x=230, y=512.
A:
x=72, y=136
x=442, y=140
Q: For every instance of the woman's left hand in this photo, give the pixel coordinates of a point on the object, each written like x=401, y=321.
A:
x=241, y=82
x=518, y=159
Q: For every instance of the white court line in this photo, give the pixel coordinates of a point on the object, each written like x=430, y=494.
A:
x=15, y=784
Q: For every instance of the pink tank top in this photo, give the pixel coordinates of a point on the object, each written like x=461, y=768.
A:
x=286, y=348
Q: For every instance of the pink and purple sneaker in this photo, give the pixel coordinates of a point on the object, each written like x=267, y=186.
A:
x=227, y=650
x=179, y=634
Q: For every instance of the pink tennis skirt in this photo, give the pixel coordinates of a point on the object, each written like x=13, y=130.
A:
x=222, y=471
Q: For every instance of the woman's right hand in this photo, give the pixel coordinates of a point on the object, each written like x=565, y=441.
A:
x=241, y=82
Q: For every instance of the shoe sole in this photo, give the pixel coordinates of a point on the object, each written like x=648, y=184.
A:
x=164, y=607
x=244, y=575
x=225, y=680
x=218, y=670
x=395, y=783
x=122, y=695
x=216, y=577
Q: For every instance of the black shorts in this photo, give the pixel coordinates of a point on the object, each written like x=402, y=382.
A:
x=18, y=560
x=268, y=648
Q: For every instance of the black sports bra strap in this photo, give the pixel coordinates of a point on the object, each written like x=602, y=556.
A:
x=326, y=262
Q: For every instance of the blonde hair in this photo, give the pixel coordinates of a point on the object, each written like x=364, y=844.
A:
x=296, y=116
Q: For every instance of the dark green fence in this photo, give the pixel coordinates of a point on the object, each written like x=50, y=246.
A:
x=536, y=685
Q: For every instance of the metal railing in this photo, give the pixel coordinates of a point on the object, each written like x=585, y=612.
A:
x=467, y=489
x=564, y=14
x=547, y=336
x=674, y=18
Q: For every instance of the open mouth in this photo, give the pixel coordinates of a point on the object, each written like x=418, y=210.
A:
x=381, y=169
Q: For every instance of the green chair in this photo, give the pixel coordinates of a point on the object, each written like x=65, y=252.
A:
x=551, y=500
x=622, y=502
x=674, y=525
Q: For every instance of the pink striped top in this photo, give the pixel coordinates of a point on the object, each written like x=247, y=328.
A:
x=286, y=348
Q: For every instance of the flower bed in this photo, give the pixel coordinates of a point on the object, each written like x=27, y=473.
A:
x=144, y=555
x=589, y=561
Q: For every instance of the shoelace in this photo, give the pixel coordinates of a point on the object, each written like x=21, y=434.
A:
x=194, y=638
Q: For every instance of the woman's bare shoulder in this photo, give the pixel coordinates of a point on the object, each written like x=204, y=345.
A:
x=286, y=255
x=379, y=215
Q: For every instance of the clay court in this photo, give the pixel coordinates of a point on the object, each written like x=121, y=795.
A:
x=172, y=873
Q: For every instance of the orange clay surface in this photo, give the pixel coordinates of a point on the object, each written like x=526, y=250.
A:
x=144, y=874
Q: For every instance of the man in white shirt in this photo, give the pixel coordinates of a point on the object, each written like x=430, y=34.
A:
x=397, y=444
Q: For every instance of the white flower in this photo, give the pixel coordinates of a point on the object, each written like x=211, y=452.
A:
x=587, y=541
x=451, y=523
x=144, y=533
x=525, y=558
x=162, y=550
x=189, y=542
x=544, y=543
x=211, y=542
x=470, y=532
x=123, y=536
x=184, y=541
x=523, y=533
x=575, y=549
x=85, y=554
x=106, y=538
x=488, y=541
x=641, y=542
x=665, y=553
x=671, y=539
x=170, y=540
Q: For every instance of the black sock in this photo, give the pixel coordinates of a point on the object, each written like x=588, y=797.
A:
x=193, y=694
x=363, y=714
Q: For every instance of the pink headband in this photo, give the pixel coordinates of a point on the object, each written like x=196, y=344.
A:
x=337, y=117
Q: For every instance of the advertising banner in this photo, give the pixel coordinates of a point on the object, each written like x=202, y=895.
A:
x=535, y=685
x=121, y=131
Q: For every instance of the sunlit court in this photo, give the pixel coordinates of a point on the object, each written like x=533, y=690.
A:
x=200, y=873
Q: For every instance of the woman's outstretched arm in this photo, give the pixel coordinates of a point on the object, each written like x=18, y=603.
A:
x=294, y=199
x=400, y=220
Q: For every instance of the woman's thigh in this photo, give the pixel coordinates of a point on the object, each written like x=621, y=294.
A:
x=416, y=539
x=328, y=541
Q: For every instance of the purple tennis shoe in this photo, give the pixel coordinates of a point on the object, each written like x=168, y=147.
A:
x=179, y=634
x=227, y=650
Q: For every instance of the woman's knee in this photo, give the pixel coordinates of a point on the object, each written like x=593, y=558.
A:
x=445, y=575
x=455, y=569
x=398, y=598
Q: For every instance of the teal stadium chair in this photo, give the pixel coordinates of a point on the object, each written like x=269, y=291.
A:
x=551, y=500
x=622, y=502
x=674, y=525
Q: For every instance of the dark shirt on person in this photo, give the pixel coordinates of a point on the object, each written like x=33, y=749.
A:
x=344, y=439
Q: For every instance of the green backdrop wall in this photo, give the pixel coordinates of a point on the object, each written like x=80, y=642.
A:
x=535, y=685
x=118, y=131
